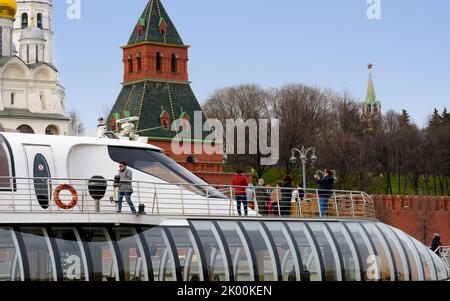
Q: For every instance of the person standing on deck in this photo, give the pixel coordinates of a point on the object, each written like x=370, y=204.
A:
x=125, y=187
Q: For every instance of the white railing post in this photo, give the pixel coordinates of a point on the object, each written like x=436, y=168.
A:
x=318, y=203
x=49, y=194
x=299, y=204
x=336, y=204
x=231, y=201
x=207, y=201
x=182, y=200
x=353, y=205
x=277, y=192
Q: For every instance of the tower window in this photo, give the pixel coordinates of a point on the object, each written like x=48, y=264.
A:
x=37, y=54
x=173, y=64
x=13, y=96
x=28, y=54
x=39, y=20
x=139, y=62
x=158, y=62
x=130, y=64
x=24, y=20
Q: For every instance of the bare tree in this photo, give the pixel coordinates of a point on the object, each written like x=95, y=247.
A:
x=76, y=127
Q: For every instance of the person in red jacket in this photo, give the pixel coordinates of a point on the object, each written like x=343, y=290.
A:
x=240, y=184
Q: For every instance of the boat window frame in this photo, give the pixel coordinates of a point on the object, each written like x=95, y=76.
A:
x=4, y=144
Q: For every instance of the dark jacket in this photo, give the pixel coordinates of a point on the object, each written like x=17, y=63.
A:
x=325, y=186
x=436, y=244
x=286, y=191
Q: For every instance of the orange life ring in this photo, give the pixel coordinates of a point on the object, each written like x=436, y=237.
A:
x=74, y=193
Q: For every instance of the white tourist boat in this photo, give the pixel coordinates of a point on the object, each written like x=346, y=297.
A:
x=58, y=222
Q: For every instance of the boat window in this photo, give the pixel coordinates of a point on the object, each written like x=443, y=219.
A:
x=265, y=256
x=41, y=260
x=42, y=186
x=159, y=165
x=417, y=273
x=71, y=253
x=328, y=251
x=286, y=252
x=214, y=249
x=308, y=251
x=427, y=260
x=11, y=268
x=5, y=166
x=132, y=253
x=102, y=254
x=369, y=258
x=240, y=252
x=384, y=254
x=348, y=252
x=162, y=257
x=188, y=254
x=401, y=261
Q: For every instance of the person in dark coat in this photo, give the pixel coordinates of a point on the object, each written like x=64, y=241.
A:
x=262, y=197
x=436, y=243
x=286, y=196
x=325, y=190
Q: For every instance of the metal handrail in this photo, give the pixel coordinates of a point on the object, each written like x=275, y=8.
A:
x=444, y=253
x=182, y=199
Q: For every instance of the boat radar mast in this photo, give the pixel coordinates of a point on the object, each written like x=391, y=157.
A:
x=127, y=130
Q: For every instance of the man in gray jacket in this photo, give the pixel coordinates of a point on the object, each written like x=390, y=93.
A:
x=125, y=186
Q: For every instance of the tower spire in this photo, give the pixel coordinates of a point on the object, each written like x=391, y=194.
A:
x=371, y=106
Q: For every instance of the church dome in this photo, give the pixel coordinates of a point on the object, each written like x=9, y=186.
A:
x=8, y=9
x=33, y=33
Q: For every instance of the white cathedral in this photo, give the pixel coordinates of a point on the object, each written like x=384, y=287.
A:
x=31, y=97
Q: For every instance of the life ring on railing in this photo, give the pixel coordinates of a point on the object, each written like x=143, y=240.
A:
x=72, y=190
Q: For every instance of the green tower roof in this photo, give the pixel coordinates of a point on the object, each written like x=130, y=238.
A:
x=148, y=26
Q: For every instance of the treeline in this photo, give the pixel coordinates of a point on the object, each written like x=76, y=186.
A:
x=389, y=154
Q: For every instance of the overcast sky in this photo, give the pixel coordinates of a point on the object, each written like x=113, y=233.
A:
x=326, y=43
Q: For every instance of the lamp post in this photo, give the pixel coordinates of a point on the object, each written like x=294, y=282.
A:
x=304, y=152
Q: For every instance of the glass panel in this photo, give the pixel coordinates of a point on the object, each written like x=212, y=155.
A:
x=132, y=254
x=265, y=257
x=371, y=262
x=188, y=254
x=71, y=254
x=386, y=264
x=162, y=256
x=239, y=250
x=398, y=253
x=328, y=251
x=427, y=260
x=39, y=254
x=214, y=251
x=308, y=252
x=413, y=256
x=102, y=254
x=348, y=252
x=290, y=268
x=11, y=268
x=5, y=171
x=441, y=268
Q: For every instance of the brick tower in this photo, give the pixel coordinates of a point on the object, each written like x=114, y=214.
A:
x=156, y=89
x=371, y=106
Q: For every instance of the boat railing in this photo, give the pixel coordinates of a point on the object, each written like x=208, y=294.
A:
x=444, y=253
x=99, y=195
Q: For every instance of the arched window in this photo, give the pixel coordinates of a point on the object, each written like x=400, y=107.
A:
x=28, y=54
x=37, y=54
x=39, y=20
x=130, y=64
x=173, y=64
x=25, y=129
x=52, y=130
x=5, y=170
x=158, y=62
x=24, y=20
x=139, y=62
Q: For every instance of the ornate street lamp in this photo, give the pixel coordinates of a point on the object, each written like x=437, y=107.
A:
x=304, y=152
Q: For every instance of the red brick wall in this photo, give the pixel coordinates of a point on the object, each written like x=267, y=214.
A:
x=148, y=57
x=419, y=216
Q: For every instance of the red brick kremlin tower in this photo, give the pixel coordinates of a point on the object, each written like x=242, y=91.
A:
x=156, y=89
